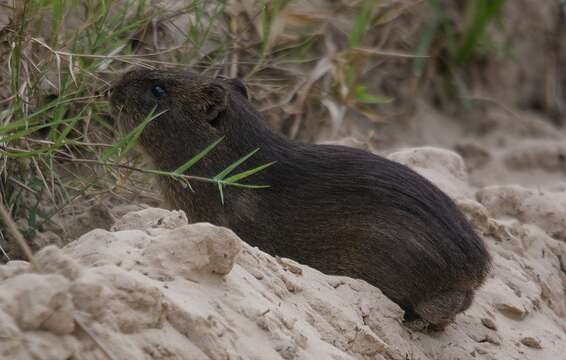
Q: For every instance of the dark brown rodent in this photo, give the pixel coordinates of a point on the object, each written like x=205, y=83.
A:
x=341, y=210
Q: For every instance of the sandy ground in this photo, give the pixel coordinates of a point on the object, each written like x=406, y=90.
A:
x=155, y=287
x=144, y=284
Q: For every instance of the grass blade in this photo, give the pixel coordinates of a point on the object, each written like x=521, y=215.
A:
x=234, y=165
x=186, y=166
x=235, y=178
x=362, y=22
x=130, y=140
x=221, y=193
x=246, y=186
x=483, y=12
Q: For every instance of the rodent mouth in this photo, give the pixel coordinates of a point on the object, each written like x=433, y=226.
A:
x=118, y=110
x=118, y=94
x=124, y=116
x=120, y=116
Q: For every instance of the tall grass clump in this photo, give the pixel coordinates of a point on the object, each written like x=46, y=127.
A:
x=457, y=38
x=58, y=147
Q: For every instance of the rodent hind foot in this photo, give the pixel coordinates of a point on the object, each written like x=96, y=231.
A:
x=419, y=325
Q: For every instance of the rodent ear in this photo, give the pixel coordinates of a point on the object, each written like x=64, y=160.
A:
x=239, y=85
x=215, y=101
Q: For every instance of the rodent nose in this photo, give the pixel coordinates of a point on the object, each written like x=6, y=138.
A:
x=118, y=89
x=116, y=94
x=122, y=86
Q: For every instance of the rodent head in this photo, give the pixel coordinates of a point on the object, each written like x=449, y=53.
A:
x=190, y=105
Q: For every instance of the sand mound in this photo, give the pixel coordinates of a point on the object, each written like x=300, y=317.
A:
x=155, y=287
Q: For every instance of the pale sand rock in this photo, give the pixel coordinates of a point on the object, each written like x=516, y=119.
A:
x=156, y=287
x=544, y=208
x=444, y=168
x=150, y=218
x=529, y=162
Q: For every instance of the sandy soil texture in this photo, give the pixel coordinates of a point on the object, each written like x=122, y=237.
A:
x=155, y=287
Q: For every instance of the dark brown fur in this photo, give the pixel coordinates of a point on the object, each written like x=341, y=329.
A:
x=341, y=210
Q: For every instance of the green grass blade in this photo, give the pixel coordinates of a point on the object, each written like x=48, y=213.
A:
x=221, y=193
x=234, y=165
x=483, y=12
x=68, y=128
x=58, y=13
x=423, y=46
x=361, y=23
x=186, y=166
x=24, y=123
x=247, y=173
x=30, y=130
x=363, y=97
x=130, y=140
x=24, y=154
x=247, y=186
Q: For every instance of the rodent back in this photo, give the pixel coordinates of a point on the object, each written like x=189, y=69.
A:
x=308, y=182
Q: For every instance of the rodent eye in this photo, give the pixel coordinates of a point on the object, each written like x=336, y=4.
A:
x=158, y=91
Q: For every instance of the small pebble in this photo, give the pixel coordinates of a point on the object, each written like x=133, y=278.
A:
x=489, y=323
x=512, y=311
x=291, y=265
x=531, y=342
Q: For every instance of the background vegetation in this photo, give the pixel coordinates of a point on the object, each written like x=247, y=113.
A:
x=310, y=66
